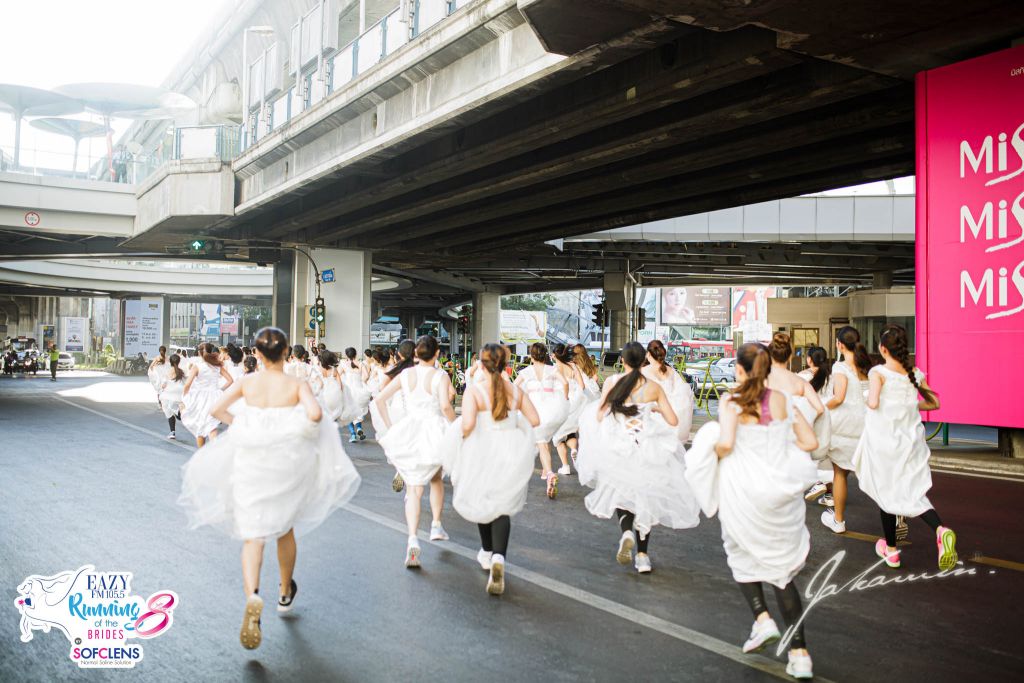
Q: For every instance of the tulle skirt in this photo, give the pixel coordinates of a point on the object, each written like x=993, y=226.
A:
x=891, y=461
x=821, y=424
x=396, y=411
x=553, y=409
x=356, y=401
x=642, y=475
x=195, y=411
x=170, y=398
x=414, y=445
x=847, y=424
x=274, y=470
x=490, y=469
x=571, y=424
x=331, y=399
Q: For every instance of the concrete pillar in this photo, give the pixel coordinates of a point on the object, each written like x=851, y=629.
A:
x=1011, y=442
x=619, y=328
x=165, y=333
x=881, y=280
x=486, y=319
x=283, y=297
x=347, y=299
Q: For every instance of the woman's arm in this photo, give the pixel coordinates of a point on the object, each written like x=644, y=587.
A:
x=727, y=421
x=313, y=411
x=805, y=438
x=469, y=408
x=226, y=400
x=875, y=381
x=528, y=410
x=382, y=401
x=443, y=400
x=664, y=407
x=812, y=396
x=226, y=375
x=192, y=372
x=838, y=391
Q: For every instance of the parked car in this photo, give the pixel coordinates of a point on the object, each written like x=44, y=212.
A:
x=65, y=361
x=721, y=371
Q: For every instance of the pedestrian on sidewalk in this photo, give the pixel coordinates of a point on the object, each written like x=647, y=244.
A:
x=54, y=362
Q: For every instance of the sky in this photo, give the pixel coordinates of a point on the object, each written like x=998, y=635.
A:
x=47, y=43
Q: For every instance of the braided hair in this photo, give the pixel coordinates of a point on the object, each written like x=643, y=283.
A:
x=894, y=340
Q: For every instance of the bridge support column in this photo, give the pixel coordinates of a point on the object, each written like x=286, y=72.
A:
x=282, y=305
x=486, y=319
x=347, y=299
x=619, y=324
x=165, y=321
x=881, y=279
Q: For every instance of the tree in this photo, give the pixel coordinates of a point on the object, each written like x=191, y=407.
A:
x=527, y=302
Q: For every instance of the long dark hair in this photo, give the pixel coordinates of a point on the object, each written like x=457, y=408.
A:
x=492, y=359
x=849, y=337
x=299, y=351
x=562, y=353
x=163, y=355
x=894, y=340
x=426, y=348
x=753, y=358
x=351, y=354
x=328, y=359
x=633, y=355
x=176, y=372
x=272, y=342
x=822, y=369
x=405, y=352
x=657, y=351
x=584, y=361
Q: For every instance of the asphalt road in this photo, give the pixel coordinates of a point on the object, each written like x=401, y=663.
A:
x=89, y=479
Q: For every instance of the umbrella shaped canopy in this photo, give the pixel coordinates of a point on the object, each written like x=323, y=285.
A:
x=23, y=99
x=74, y=129
x=123, y=100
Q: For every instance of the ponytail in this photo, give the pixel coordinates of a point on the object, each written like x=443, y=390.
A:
x=405, y=351
x=633, y=355
x=822, y=369
x=894, y=340
x=849, y=337
x=209, y=354
x=176, y=372
x=350, y=353
x=754, y=359
x=163, y=355
x=492, y=359
x=656, y=350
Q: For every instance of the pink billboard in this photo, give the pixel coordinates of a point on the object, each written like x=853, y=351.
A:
x=970, y=237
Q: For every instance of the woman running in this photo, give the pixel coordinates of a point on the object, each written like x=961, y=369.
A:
x=549, y=393
x=819, y=373
x=678, y=390
x=491, y=462
x=891, y=459
x=201, y=392
x=157, y=374
x=357, y=396
x=568, y=430
x=628, y=455
x=849, y=384
x=170, y=393
x=405, y=355
x=744, y=468
x=277, y=474
x=414, y=445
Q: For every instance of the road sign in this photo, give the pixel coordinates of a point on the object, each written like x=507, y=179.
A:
x=327, y=275
x=32, y=219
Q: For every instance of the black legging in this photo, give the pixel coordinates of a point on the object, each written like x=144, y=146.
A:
x=626, y=519
x=170, y=420
x=931, y=518
x=494, y=535
x=789, y=602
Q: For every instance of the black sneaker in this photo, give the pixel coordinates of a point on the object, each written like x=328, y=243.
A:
x=284, y=603
x=361, y=435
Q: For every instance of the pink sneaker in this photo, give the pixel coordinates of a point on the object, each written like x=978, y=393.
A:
x=891, y=557
x=945, y=539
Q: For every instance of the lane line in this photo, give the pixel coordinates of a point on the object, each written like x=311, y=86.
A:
x=713, y=645
x=705, y=642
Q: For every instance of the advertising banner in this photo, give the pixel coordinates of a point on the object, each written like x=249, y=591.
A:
x=229, y=324
x=75, y=334
x=523, y=326
x=970, y=234
x=695, y=306
x=750, y=312
x=143, y=327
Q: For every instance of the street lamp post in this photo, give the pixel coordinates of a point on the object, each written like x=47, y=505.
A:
x=263, y=31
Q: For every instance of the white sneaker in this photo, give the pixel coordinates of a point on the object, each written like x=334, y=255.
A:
x=763, y=633
x=815, y=491
x=412, y=554
x=484, y=558
x=828, y=518
x=626, y=544
x=171, y=436
x=799, y=665
x=496, y=581
x=642, y=563
x=572, y=456
x=564, y=470
x=437, y=532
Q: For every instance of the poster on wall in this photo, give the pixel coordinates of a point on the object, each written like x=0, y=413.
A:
x=229, y=324
x=970, y=233
x=750, y=312
x=75, y=334
x=695, y=306
x=143, y=327
x=524, y=327
x=209, y=321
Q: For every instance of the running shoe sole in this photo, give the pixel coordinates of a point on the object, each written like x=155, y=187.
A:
x=439, y=535
x=947, y=550
x=827, y=502
x=251, y=635
x=552, y=486
x=496, y=581
x=803, y=675
x=397, y=484
x=902, y=530
x=771, y=638
x=625, y=554
x=291, y=603
x=412, y=558
x=888, y=562
x=814, y=492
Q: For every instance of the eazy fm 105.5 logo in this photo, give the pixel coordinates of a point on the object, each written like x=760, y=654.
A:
x=96, y=612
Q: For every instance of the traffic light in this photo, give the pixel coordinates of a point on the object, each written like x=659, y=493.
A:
x=598, y=314
x=317, y=316
x=641, y=317
x=464, y=324
x=197, y=245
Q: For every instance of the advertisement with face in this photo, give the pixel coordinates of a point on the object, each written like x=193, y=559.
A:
x=695, y=306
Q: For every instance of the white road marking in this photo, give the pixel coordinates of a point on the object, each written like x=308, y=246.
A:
x=730, y=651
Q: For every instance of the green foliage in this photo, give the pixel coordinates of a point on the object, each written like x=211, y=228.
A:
x=527, y=302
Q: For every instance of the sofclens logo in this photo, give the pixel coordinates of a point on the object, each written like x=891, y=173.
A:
x=96, y=612
x=997, y=223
